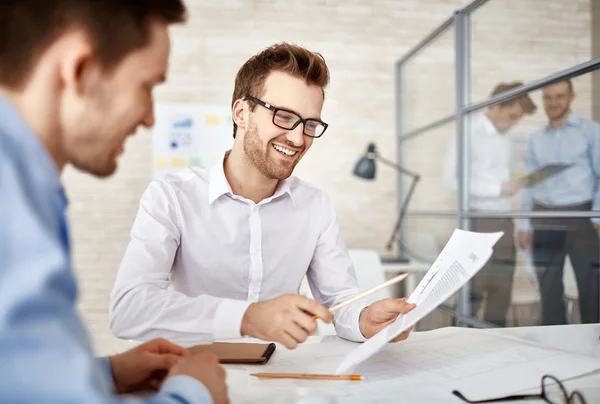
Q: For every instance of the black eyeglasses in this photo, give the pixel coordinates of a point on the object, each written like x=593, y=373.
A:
x=289, y=120
x=553, y=392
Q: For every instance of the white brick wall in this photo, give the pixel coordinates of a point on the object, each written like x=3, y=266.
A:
x=361, y=39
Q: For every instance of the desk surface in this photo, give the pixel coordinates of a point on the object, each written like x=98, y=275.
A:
x=582, y=339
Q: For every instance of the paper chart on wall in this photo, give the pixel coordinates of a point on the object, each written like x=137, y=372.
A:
x=189, y=134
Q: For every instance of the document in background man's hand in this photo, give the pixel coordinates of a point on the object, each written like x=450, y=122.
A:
x=543, y=173
x=462, y=257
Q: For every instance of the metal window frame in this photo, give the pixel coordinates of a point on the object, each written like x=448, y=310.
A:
x=460, y=21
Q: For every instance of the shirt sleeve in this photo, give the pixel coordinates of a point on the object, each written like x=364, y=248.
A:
x=526, y=195
x=142, y=306
x=595, y=164
x=45, y=350
x=480, y=186
x=332, y=278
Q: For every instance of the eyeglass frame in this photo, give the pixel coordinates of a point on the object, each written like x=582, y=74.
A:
x=298, y=122
x=568, y=398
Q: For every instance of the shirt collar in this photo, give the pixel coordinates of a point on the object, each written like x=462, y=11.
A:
x=490, y=128
x=573, y=120
x=219, y=186
x=13, y=125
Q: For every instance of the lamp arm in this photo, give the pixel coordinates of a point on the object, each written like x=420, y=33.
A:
x=396, y=166
x=403, y=210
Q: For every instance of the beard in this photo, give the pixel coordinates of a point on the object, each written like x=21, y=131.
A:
x=559, y=113
x=94, y=147
x=260, y=156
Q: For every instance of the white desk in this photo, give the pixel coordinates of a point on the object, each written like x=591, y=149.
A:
x=574, y=338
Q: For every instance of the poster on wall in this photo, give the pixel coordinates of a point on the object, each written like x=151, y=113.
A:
x=189, y=134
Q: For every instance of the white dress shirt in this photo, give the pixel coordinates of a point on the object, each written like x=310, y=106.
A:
x=199, y=255
x=489, y=166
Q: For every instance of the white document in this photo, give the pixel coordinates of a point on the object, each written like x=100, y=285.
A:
x=462, y=257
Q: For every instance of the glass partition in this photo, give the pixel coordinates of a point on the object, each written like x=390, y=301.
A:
x=526, y=40
x=537, y=155
x=428, y=83
x=428, y=155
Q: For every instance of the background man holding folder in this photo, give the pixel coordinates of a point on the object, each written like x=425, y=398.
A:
x=491, y=190
x=221, y=252
x=566, y=139
x=71, y=92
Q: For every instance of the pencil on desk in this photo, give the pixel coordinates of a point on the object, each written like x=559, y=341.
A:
x=365, y=294
x=306, y=376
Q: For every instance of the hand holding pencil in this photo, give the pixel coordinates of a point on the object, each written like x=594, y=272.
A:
x=286, y=319
x=384, y=285
x=289, y=319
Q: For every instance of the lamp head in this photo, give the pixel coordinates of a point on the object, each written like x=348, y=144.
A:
x=365, y=167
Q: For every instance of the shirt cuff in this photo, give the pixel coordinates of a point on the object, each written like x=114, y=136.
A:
x=496, y=190
x=347, y=322
x=186, y=389
x=228, y=319
x=359, y=337
x=525, y=225
x=104, y=364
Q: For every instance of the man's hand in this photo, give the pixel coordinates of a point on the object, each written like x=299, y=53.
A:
x=145, y=366
x=525, y=239
x=206, y=369
x=509, y=188
x=380, y=314
x=286, y=319
x=596, y=225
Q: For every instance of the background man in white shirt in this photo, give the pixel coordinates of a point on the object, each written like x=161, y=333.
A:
x=491, y=189
x=219, y=253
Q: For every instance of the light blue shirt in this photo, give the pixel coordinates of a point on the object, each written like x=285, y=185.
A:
x=576, y=142
x=45, y=351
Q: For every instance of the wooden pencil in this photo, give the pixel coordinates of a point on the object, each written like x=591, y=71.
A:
x=367, y=293
x=306, y=376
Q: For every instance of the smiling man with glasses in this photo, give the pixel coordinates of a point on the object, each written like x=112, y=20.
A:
x=219, y=253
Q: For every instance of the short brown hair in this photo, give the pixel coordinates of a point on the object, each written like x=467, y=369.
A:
x=115, y=28
x=525, y=100
x=284, y=57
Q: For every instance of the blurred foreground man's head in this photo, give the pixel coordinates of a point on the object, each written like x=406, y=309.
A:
x=81, y=72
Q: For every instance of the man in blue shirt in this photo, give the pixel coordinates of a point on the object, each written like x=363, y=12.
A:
x=566, y=139
x=75, y=81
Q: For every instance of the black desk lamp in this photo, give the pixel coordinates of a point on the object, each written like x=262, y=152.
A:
x=365, y=168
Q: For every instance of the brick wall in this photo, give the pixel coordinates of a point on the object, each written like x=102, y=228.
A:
x=361, y=39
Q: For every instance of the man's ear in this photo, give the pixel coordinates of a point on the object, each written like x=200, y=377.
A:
x=77, y=67
x=239, y=113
